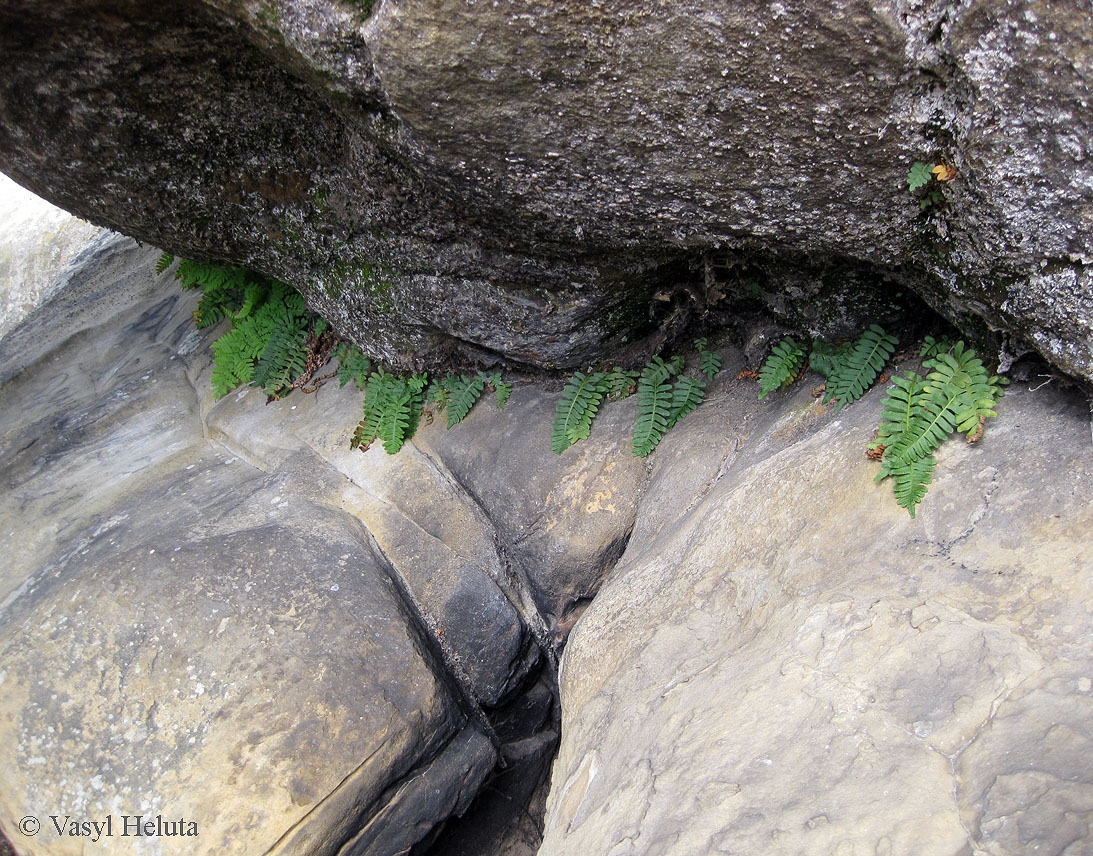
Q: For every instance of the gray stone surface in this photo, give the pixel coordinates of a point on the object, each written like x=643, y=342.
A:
x=785, y=662
x=183, y=633
x=37, y=241
x=519, y=181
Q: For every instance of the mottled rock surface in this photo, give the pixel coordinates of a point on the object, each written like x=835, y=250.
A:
x=785, y=662
x=519, y=181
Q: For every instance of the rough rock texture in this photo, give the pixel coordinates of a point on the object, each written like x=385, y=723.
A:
x=217, y=610
x=520, y=180
x=785, y=662
x=37, y=242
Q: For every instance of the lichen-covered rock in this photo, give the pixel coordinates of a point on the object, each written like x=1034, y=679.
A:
x=521, y=181
x=785, y=662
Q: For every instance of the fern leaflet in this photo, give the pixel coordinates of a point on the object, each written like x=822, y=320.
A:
x=620, y=383
x=501, y=389
x=781, y=366
x=353, y=366
x=826, y=358
x=165, y=261
x=911, y=479
x=687, y=394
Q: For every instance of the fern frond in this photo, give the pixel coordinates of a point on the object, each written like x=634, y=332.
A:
x=932, y=347
x=860, y=367
x=709, y=363
x=439, y=392
x=929, y=427
x=353, y=366
x=394, y=421
x=501, y=389
x=463, y=393
x=781, y=366
x=826, y=358
x=687, y=394
x=902, y=401
x=654, y=409
x=910, y=481
x=620, y=383
x=165, y=261
x=573, y=416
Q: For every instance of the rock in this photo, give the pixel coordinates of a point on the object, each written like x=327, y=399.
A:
x=783, y=661
x=524, y=183
x=37, y=241
x=183, y=634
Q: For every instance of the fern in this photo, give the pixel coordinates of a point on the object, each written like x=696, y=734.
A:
x=654, y=407
x=353, y=366
x=781, y=366
x=573, y=416
x=501, y=389
x=911, y=481
x=901, y=403
x=826, y=358
x=932, y=347
x=687, y=394
x=856, y=371
x=463, y=392
x=620, y=383
x=709, y=363
x=921, y=413
x=392, y=410
x=165, y=261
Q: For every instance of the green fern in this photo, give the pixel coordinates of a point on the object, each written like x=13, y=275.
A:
x=501, y=389
x=920, y=413
x=620, y=383
x=392, y=410
x=781, y=366
x=687, y=394
x=932, y=347
x=826, y=358
x=654, y=407
x=709, y=363
x=578, y=406
x=353, y=366
x=165, y=261
x=902, y=401
x=856, y=371
x=463, y=392
x=911, y=480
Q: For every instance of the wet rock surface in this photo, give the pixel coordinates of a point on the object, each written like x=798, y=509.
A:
x=522, y=182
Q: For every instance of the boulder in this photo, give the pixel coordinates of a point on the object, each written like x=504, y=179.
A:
x=784, y=661
x=542, y=184
x=186, y=636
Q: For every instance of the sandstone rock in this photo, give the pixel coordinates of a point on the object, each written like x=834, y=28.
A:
x=520, y=181
x=186, y=635
x=784, y=661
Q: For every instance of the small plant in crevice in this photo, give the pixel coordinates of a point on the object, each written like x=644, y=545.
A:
x=394, y=404
x=926, y=183
x=957, y=395
x=277, y=344
x=665, y=395
x=850, y=368
x=274, y=342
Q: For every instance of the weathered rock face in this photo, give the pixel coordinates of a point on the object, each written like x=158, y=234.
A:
x=217, y=610
x=37, y=241
x=517, y=180
x=784, y=662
